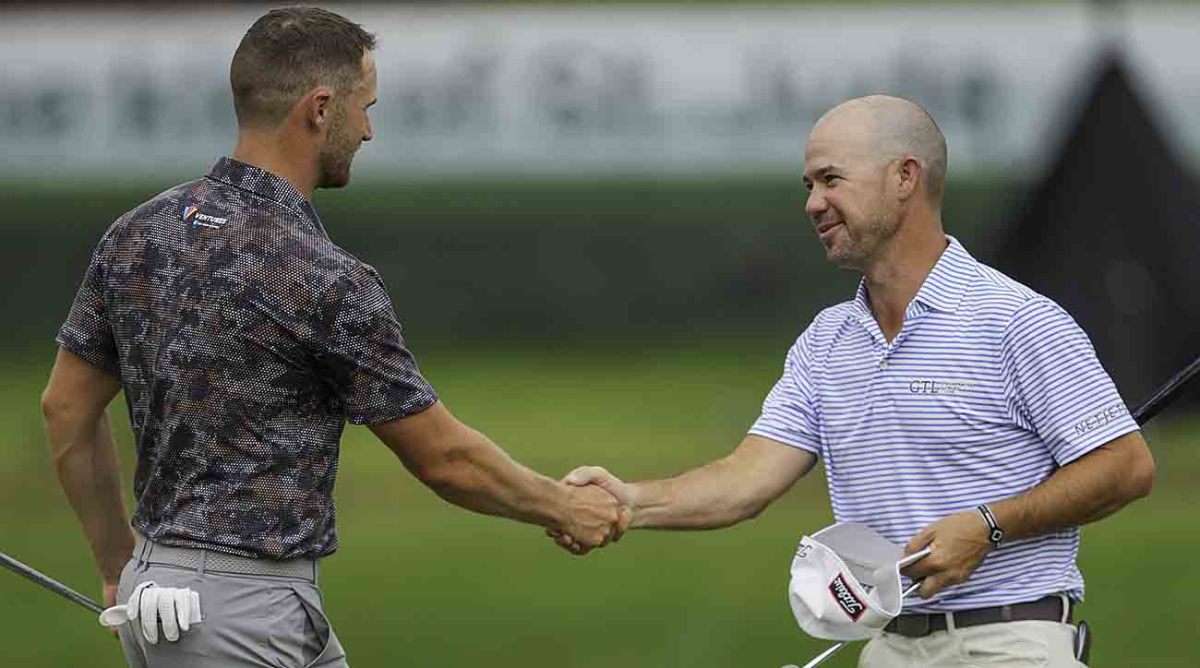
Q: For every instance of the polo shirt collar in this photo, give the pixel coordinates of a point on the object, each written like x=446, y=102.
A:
x=942, y=289
x=945, y=286
x=259, y=181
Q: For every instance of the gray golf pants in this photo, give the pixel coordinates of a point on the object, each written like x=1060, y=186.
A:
x=249, y=620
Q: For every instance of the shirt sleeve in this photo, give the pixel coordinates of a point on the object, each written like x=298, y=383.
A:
x=1055, y=385
x=360, y=351
x=788, y=415
x=87, y=331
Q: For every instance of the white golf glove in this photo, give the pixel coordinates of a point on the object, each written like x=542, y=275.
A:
x=175, y=608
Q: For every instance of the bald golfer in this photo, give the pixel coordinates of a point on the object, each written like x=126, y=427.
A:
x=953, y=408
x=243, y=338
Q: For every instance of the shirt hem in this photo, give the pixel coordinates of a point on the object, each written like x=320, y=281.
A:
x=388, y=417
x=90, y=356
x=792, y=443
x=1101, y=439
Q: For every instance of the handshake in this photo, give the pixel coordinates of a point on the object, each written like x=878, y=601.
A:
x=600, y=509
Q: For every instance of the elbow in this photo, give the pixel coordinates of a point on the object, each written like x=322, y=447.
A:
x=744, y=510
x=54, y=406
x=441, y=453
x=448, y=474
x=752, y=508
x=62, y=408
x=1139, y=479
x=62, y=414
x=437, y=476
x=750, y=500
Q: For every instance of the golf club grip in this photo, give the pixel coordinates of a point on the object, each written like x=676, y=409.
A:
x=1167, y=393
x=49, y=583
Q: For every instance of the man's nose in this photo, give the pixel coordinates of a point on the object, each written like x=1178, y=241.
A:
x=815, y=205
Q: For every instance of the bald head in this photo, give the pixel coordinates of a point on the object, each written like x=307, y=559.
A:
x=888, y=128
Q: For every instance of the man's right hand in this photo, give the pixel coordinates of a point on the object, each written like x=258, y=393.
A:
x=721, y=493
x=595, y=518
x=110, y=597
x=599, y=476
x=596, y=478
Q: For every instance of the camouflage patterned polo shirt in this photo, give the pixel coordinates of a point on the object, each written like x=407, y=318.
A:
x=244, y=338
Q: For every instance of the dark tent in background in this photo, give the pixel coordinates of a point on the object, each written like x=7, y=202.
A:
x=1113, y=235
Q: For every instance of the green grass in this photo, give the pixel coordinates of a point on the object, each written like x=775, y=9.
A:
x=420, y=583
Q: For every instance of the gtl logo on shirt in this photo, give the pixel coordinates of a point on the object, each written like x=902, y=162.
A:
x=845, y=598
x=929, y=386
x=191, y=214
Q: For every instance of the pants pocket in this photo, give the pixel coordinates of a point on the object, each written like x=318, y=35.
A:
x=127, y=581
x=134, y=656
x=1008, y=644
x=302, y=635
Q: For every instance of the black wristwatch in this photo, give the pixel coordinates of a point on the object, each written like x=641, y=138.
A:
x=995, y=533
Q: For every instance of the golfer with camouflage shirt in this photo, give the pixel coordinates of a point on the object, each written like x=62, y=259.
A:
x=244, y=338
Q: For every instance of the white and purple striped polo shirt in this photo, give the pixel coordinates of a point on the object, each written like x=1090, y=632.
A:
x=987, y=389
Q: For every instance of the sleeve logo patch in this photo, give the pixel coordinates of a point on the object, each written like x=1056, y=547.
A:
x=849, y=603
x=1100, y=418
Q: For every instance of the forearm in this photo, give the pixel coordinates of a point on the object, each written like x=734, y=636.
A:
x=1086, y=490
x=85, y=459
x=478, y=475
x=707, y=497
x=729, y=490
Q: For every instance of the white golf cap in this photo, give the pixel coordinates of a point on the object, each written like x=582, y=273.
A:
x=846, y=582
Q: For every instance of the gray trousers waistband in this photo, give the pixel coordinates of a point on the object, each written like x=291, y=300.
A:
x=202, y=560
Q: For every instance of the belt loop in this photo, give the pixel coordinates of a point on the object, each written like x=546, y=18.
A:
x=1066, y=608
x=1006, y=613
x=203, y=562
x=144, y=549
x=315, y=573
x=951, y=627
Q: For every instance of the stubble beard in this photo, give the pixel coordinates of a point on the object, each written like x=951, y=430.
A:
x=864, y=246
x=337, y=154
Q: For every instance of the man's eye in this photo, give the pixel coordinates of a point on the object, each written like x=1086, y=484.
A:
x=829, y=179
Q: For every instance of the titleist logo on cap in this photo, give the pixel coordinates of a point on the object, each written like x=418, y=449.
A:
x=846, y=598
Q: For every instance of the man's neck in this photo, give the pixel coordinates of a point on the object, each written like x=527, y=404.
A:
x=894, y=280
x=269, y=152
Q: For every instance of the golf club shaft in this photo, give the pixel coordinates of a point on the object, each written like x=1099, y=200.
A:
x=1167, y=393
x=824, y=656
x=834, y=649
x=49, y=583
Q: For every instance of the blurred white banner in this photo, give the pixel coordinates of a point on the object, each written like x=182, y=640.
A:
x=589, y=90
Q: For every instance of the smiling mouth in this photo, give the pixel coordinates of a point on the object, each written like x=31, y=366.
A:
x=825, y=227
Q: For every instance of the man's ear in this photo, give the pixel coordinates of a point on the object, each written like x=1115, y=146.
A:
x=908, y=176
x=318, y=108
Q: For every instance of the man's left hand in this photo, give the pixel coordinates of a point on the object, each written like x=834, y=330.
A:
x=176, y=609
x=959, y=543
